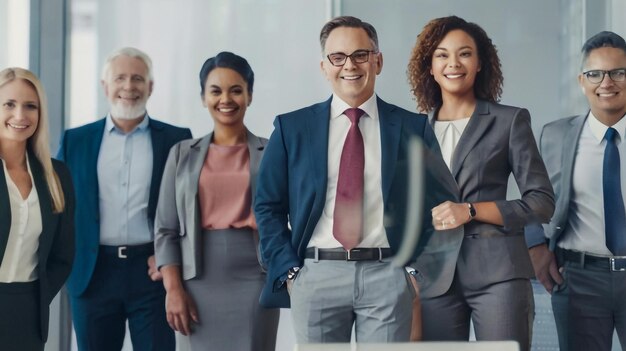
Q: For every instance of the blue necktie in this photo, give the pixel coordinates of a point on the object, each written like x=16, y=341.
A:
x=614, y=213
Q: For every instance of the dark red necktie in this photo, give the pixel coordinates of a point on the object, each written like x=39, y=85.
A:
x=348, y=215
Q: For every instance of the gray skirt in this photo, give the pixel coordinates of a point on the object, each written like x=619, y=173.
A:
x=227, y=295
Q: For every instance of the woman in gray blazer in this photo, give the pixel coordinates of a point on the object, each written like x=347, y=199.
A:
x=455, y=75
x=36, y=214
x=206, y=240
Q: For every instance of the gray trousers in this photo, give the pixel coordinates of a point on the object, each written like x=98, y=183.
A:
x=589, y=306
x=500, y=311
x=328, y=297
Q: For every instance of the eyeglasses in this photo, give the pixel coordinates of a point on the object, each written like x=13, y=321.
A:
x=596, y=76
x=360, y=56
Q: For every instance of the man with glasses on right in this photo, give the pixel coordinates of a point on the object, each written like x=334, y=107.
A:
x=585, y=157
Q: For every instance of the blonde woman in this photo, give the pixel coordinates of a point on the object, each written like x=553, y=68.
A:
x=36, y=214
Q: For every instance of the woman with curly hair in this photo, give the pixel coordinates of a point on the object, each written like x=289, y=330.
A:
x=455, y=75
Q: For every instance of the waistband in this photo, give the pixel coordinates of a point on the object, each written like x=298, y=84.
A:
x=613, y=263
x=356, y=254
x=19, y=287
x=128, y=251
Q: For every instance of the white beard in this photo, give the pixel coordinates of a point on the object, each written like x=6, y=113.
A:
x=128, y=112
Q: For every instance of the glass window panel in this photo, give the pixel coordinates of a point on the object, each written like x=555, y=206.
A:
x=179, y=35
x=15, y=32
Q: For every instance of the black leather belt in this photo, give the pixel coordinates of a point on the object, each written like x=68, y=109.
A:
x=615, y=263
x=357, y=254
x=128, y=250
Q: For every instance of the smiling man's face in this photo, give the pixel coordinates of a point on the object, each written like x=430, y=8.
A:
x=353, y=83
x=127, y=87
x=607, y=99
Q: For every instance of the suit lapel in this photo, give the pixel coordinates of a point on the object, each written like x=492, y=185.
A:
x=478, y=125
x=48, y=222
x=255, y=150
x=390, y=129
x=159, y=157
x=5, y=212
x=197, y=154
x=93, y=150
x=318, y=122
x=568, y=155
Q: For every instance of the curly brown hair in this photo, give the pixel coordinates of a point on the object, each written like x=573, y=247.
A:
x=488, y=83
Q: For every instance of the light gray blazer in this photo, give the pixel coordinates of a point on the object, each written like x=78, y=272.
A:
x=559, y=142
x=177, y=221
x=498, y=141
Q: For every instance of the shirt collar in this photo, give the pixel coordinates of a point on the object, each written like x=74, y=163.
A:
x=109, y=126
x=598, y=129
x=338, y=107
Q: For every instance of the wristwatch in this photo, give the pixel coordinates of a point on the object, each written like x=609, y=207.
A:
x=472, y=210
x=292, y=273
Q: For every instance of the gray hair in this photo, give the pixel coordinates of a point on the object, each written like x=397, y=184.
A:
x=130, y=52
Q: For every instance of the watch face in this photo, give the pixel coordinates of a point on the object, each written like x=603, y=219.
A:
x=472, y=211
x=291, y=274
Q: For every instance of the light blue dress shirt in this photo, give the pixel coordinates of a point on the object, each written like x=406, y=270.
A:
x=124, y=177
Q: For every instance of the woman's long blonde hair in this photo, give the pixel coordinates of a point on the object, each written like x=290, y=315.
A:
x=40, y=140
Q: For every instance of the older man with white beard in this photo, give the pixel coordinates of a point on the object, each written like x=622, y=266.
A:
x=116, y=164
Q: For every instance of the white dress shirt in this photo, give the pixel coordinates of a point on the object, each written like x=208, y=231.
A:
x=585, y=229
x=374, y=234
x=124, y=178
x=19, y=263
x=448, y=134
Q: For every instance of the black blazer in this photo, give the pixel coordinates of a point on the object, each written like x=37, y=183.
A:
x=56, y=242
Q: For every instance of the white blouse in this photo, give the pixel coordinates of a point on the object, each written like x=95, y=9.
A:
x=19, y=263
x=448, y=134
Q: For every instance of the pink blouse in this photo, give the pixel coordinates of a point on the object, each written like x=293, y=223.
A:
x=224, y=188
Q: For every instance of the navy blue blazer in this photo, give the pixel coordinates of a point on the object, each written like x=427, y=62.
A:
x=56, y=242
x=292, y=185
x=79, y=150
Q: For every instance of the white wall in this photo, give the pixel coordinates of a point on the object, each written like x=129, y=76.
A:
x=280, y=40
x=526, y=34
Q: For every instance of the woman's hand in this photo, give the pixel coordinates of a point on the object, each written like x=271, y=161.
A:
x=450, y=215
x=180, y=310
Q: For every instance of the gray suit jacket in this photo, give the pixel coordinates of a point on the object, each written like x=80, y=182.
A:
x=498, y=141
x=177, y=222
x=558, y=143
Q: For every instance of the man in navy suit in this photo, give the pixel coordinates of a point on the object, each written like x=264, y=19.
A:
x=117, y=185
x=335, y=283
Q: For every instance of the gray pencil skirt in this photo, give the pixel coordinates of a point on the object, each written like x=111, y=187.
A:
x=227, y=295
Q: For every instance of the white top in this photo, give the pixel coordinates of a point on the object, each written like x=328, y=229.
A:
x=374, y=234
x=585, y=229
x=19, y=263
x=448, y=134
